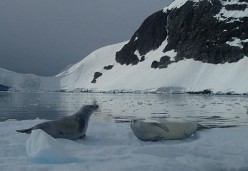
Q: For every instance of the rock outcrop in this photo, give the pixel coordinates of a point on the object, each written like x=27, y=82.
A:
x=210, y=31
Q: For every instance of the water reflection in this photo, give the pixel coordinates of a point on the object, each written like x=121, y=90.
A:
x=206, y=109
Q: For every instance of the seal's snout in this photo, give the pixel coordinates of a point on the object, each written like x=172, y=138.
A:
x=133, y=121
x=96, y=106
x=93, y=107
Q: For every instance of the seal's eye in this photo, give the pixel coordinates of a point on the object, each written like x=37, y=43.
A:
x=94, y=106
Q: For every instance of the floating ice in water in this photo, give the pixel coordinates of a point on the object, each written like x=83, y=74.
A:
x=43, y=148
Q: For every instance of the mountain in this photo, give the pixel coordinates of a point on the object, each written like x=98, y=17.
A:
x=210, y=31
x=189, y=46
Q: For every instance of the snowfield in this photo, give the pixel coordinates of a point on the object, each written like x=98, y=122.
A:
x=187, y=75
x=183, y=76
x=112, y=146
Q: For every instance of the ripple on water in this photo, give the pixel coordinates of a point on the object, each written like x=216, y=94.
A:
x=210, y=110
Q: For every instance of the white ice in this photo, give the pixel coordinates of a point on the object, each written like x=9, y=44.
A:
x=41, y=147
x=112, y=146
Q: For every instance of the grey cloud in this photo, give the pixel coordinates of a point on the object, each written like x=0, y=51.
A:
x=44, y=36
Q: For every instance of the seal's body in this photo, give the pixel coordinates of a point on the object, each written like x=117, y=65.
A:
x=69, y=127
x=154, y=131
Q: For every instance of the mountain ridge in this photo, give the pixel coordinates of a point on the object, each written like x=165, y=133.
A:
x=195, y=30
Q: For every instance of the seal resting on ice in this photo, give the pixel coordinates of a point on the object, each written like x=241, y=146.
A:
x=155, y=131
x=69, y=127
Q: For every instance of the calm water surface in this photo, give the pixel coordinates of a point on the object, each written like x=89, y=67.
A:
x=205, y=109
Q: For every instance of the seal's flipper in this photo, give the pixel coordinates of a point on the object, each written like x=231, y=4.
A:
x=157, y=138
x=200, y=127
x=160, y=126
x=27, y=131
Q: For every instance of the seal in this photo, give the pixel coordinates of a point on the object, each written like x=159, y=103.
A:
x=155, y=131
x=68, y=127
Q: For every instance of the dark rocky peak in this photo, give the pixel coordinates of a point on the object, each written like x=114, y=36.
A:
x=211, y=31
x=232, y=7
x=148, y=37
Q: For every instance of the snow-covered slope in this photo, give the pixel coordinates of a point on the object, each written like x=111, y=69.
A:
x=191, y=45
x=183, y=76
x=186, y=75
x=174, y=50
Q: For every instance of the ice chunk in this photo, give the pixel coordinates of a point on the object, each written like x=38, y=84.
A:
x=43, y=148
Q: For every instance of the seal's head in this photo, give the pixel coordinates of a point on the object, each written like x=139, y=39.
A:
x=137, y=125
x=87, y=110
x=134, y=122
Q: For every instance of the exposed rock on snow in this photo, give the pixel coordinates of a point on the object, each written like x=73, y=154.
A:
x=96, y=75
x=151, y=35
x=163, y=63
x=196, y=29
x=109, y=67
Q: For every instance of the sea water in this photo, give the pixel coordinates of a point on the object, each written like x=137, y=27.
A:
x=220, y=110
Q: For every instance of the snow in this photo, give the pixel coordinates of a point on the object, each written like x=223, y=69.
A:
x=178, y=4
x=188, y=74
x=172, y=54
x=41, y=147
x=112, y=146
x=183, y=76
x=81, y=74
x=237, y=42
x=231, y=15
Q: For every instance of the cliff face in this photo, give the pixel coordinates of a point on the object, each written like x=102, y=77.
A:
x=148, y=37
x=210, y=31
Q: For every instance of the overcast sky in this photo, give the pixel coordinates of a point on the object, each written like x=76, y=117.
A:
x=45, y=36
